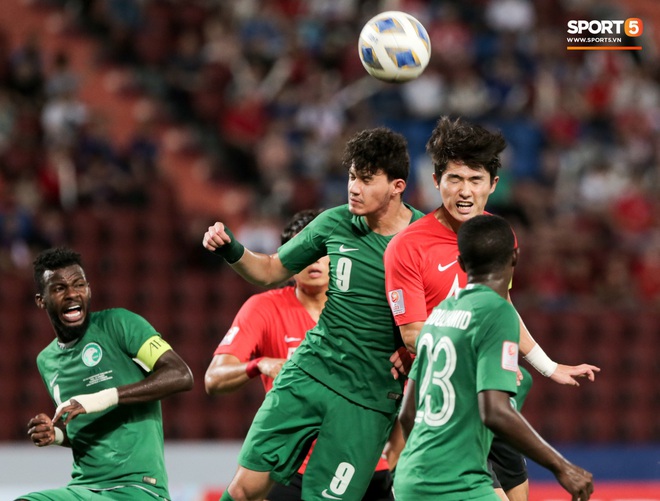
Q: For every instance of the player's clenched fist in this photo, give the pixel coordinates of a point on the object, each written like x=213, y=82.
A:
x=577, y=481
x=216, y=237
x=221, y=240
x=41, y=430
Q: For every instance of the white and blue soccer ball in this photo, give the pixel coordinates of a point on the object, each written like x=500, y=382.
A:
x=394, y=47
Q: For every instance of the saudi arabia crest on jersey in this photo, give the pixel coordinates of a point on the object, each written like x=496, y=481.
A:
x=92, y=354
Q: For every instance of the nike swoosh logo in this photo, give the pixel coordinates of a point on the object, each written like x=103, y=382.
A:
x=346, y=249
x=52, y=381
x=446, y=267
x=325, y=492
x=288, y=339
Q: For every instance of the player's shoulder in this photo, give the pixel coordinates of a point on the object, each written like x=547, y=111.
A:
x=264, y=303
x=338, y=213
x=111, y=315
x=117, y=321
x=419, y=227
x=273, y=296
x=330, y=219
x=485, y=299
x=47, y=351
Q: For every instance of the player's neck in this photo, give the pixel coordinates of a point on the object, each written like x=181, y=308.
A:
x=391, y=220
x=496, y=281
x=445, y=219
x=313, y=299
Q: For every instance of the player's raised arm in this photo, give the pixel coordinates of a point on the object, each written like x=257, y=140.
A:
x=255, y=267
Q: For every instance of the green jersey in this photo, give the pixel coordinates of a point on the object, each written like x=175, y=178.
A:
x=468, y=344
x=350, y=347
x=122, y=445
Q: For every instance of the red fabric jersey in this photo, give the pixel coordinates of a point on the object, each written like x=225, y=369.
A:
x=421, y=269
x=270, y=324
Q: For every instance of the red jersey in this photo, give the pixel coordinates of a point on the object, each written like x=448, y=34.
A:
x=270, y=324
x=421, y=269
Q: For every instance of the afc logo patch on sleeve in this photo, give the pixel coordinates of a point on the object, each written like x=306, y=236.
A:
x=231, y=334
x=510, y=356
x=396, y=302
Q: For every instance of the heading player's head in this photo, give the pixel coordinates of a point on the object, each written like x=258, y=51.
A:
x=487, y=248
x=315, y=277
x=465, y=162
x=378, y=167
x=63, y=291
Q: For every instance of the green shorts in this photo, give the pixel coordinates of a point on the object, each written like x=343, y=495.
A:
x=77, y=493
x=350, y=438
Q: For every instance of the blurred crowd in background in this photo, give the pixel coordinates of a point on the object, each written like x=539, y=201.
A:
x=264, y=95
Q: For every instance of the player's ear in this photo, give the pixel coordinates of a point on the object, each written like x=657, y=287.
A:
x=39, y=301
x=493, y=184
x=514, y=258
x=399, y=185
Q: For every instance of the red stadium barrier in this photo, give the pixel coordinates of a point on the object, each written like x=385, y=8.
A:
x=605, y=491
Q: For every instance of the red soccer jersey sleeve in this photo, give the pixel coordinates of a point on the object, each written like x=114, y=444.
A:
x=421, y=269
x=270, y=324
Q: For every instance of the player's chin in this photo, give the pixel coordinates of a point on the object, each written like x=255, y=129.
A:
x=356, y=208
x=463, y=214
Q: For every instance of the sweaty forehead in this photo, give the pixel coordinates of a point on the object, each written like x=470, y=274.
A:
x=67, y=274
x=464, y=170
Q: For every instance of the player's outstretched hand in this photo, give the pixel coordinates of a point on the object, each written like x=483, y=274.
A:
x=215, y=237
x=401, y=362
x=41, y=430
x=567, y=374
x=577, y=481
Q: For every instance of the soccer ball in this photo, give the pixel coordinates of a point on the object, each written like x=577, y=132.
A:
x=394, y=47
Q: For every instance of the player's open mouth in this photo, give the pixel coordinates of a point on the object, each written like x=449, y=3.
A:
x=464, y=207
x=73, y=314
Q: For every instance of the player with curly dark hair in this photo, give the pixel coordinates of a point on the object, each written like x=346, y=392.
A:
x=265, y=333
x=337, y=387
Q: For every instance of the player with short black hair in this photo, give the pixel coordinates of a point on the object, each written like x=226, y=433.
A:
x=462, y=379
x=106, y=371
x=421, y=265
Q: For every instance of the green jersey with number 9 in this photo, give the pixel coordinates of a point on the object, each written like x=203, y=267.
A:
x=468, y=344
x=350, y=347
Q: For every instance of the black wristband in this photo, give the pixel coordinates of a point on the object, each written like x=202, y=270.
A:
x=231, y=252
